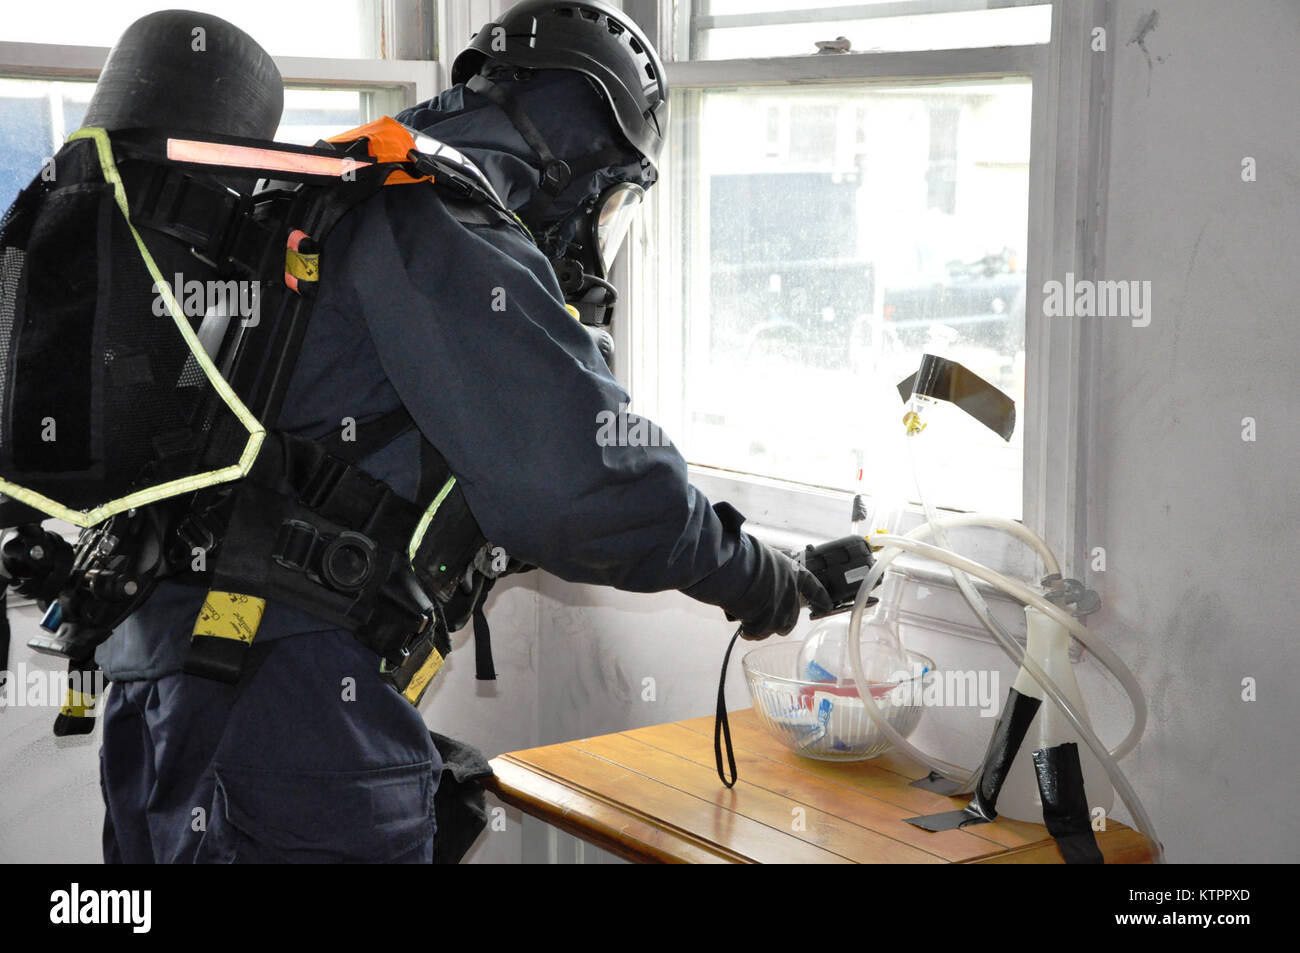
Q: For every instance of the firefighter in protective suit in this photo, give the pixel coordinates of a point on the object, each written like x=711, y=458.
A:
x=466, y=326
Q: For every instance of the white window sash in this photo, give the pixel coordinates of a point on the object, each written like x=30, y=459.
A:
x=390, y=85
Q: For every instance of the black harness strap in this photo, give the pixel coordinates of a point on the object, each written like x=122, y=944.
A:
x=375, y=434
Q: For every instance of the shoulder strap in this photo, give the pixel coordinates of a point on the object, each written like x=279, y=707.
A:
x=375, y=434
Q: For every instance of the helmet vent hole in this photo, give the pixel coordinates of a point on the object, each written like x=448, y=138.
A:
x=650, y=71
x=632, y=42
x=615, y=28
x=565, y=12
x=591, y=14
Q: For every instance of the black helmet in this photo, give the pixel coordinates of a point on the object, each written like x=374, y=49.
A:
x=188, y=72
x=591, y=38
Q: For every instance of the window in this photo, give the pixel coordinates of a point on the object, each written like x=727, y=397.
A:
x=836, y=214
x=817, y=265
x=825, y=219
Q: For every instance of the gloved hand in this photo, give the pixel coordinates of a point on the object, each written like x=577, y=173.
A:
x=779, y=589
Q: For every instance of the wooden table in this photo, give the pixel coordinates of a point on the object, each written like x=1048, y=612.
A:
x=651, y=795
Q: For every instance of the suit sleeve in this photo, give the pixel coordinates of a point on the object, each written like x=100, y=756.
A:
x=471, y=330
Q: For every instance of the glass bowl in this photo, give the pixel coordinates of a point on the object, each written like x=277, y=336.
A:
x=824, y=720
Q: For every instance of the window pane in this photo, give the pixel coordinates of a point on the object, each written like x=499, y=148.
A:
x=323, y=28
x=737, y=29
x=313, y=114
x=830, y=236
x=35, y=117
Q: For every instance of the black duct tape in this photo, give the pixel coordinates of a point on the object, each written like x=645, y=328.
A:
x=1065, y=806
x=943, y=379
x=1010, y=731
x=936, y=783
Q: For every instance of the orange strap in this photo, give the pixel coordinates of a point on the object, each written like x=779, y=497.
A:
x=387, y=141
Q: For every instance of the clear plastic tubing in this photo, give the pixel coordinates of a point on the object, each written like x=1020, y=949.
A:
x=965, y=777
x=894, y=546
x=959, y=567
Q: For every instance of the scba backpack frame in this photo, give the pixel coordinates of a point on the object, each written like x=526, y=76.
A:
x=158, y=434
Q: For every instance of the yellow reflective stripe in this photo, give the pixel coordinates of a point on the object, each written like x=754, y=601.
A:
x=304, y=267
x=422, y=677
x=573, y=311
x=230, y=615
x=77, y=704
x=152, y=494
x=422, y=527
x=187, y=484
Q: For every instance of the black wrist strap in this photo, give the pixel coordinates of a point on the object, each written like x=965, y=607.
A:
x=721, y=727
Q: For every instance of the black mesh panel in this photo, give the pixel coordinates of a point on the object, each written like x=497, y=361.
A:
x=101, y=395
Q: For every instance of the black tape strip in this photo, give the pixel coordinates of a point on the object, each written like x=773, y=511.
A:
x=947, y=380
x=484, y=670
x=936, y=783
x=1008, y=734
x=1065, y=806
x=946, y=821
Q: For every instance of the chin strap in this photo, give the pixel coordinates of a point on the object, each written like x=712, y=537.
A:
x=556, y=173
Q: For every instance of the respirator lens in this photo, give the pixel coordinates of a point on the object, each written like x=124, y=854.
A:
x=615, y=210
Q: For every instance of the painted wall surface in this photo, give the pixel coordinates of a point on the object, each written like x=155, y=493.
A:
x=1200, y=525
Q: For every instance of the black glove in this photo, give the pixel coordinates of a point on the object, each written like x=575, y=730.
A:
x=780, y=588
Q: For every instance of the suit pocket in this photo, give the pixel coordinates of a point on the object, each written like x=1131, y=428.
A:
x=383, y=815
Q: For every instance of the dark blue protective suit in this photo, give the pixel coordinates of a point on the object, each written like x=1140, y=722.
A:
x=284, y=766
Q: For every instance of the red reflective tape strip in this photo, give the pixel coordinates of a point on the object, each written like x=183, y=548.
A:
x=216, y=153
x=295, y=238
x=290, y=282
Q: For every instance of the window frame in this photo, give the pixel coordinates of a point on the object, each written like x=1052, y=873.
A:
x=390, y=85
x=1068, y=148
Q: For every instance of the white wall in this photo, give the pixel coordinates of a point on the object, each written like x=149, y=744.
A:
x=1200, y=527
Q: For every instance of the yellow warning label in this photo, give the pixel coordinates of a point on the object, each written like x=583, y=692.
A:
x=77, y=704
x=421, y=678
x=304, y=267
x=230, y=615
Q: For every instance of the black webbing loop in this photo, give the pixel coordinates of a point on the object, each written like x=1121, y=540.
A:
x=721, y=726
x=484, y=669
